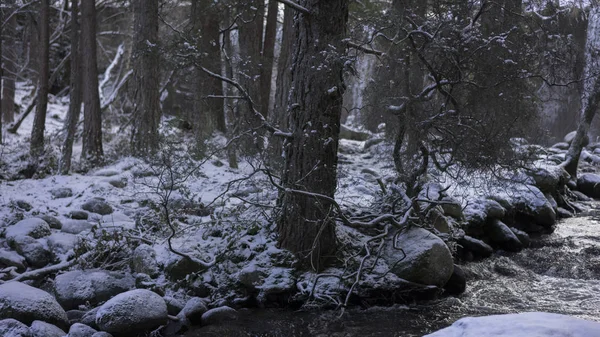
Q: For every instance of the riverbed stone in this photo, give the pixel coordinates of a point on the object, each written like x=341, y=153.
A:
x=89, y=318
x=12, y=328
x=132, y=313
x=501, y=235
x=97, y=205
x=52, y=221
x=34, y=252
x=589, y=184
x=76, y=226
x=428, y=260
x=60, y=243
x=78, y=215
x=219, y=315
x=478, y=247
x=530, y=202
x=79, y=287
x=43, y=329
x=194, y=309
x=33, y=227
x=61, y=192
x=8, y=258
x=144, y=260
x=81, y=330
x=174, y=305
x=563, y=213
x=522, y=236
x=102, y=334
x=457, y=284
x=27, y=304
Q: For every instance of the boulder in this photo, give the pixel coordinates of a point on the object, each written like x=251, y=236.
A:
x=522, y=236
x=60, y=243
x=75, y=315
x=79, y=287
x=437, y=219
x=532, y=203
x=251, y=276
x=219, y=315
x=561, y=146
x=478, y=247
x=428, y=260
x=52, y=221
x=193, y=310
x=453, y=208
x=76, y=226
x=81, y=330
x=102, y=334
x=61, y=192
x=563, y=213
x=79, y=215
x=589, y=184
x=571, y=135
x=97, y=205
x=34, y=252
x=13, y=328
x=549, y=179
x=33, y=227
x=43, y=329
x=131, y=313
x=144, y=260
x=457, y=284
x=11, y=259
x=89, y=318
x=501, y=235
x=174, y=305
x=27, y=304
x=178, y=267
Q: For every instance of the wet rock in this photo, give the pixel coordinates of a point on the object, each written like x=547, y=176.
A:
x=79, y=215
x=132, y=313
x=13, y=328
x=12, y=259
x=563, y=213
x=501, y=235
x=219, y=315
x=457, y=284
x=76, y=226
x=34, y=252
x=193, y=310
x=144, y=260
x=27, y=304
x=522, y=236
x=33, y=227
x=571, y=135
x=52, y=221
x=43, y=329
x=61, y=192
x=478, y=247
x=589, y=184
x=479, y=210
x=81, y=330
x=428, y=260
x=580, y=196
x=79, y=287
x=97, y=205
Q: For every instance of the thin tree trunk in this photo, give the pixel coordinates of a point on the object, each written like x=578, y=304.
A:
x=10, y=68
x=230, y=107
x=75, y=94
x=39, y=121
x=306, y=226
x=266, y=70
x=92, y=119
x=145, y=138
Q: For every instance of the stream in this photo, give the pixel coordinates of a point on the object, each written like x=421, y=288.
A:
x=560, y=273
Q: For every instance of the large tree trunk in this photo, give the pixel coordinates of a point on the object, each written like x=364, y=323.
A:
x=306, y=226
x=266, y=70
x=92, y=118
x=39, y=120
x=75, y=94
x=1, y=70
x=10, y=68
x=144, y=138
x=206, y=22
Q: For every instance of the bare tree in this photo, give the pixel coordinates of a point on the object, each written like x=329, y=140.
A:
x=75, y=94
x=92, y=115
x=39, y=121
x=144, y=138
x=305, y=225
x=268, y=51
x=10, y=68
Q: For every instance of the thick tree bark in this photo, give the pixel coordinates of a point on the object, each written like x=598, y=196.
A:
x=145, y=138
x=266, y=70
x=306, y=226
x=75, y=94
x=39, y=120
x=10, y=68
x=1, y=70
x=92, y=118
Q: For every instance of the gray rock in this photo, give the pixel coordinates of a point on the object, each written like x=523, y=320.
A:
x=60, y=243
x=27, y=304
x=174, y=305
x=453, y=208
x=24, y=205
x=589, y=184
x=530, y=201
x=79, y=215
x=561, y=146
x=144, y=260
x=33, y=227
x=13, y=328
x=81, y=330
x=251, y=276
x=89, y=318
x=457, y=284
x=133, y=312
x=43, y=329
x=571, y=135
x=102, y=334
x=177, y=267
x=117, y=182
x=194, y=309
x=75, y=316
x=11, y=259
x=348, y=133
x=563, y=213
x=76, y=226
x=549, y=179
x=34, y=252
x=501, y=235
x=61, y=192
x=371, y=142
x=79, y=287
x=478, y=247
x=522, y=236
x=437, y=219
x=580, y=196
x=219, y=315
x=97, y=205
x=428, y=260
x=52, y=221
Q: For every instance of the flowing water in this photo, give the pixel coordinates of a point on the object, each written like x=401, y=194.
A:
x=560, y=274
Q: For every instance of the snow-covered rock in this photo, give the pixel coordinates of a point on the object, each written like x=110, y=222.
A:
x=550, y=178
x=52, y=221
x=78, y=215
x=27, y=304
x=12, y=259
x=33, y=227
x=97, y=205
x=60, y=243
x=34, y=252
x=218, y=315
x=132, y=312
x=193, y=310
x=76, y=226
x=43, y=329
x=144, y=260
x=528, y=324
x=78, y=287
x=81, y=330
x=428, y=260
x=61, y=192
x=478, y=211
x=531, y=202
x=174, y=305
x=13, y=328
x=589, y=184
x=102, y=334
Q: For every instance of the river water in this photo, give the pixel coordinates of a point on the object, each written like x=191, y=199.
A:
x=560, y=274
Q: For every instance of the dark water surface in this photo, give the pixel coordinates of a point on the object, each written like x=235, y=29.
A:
x=561, y=274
